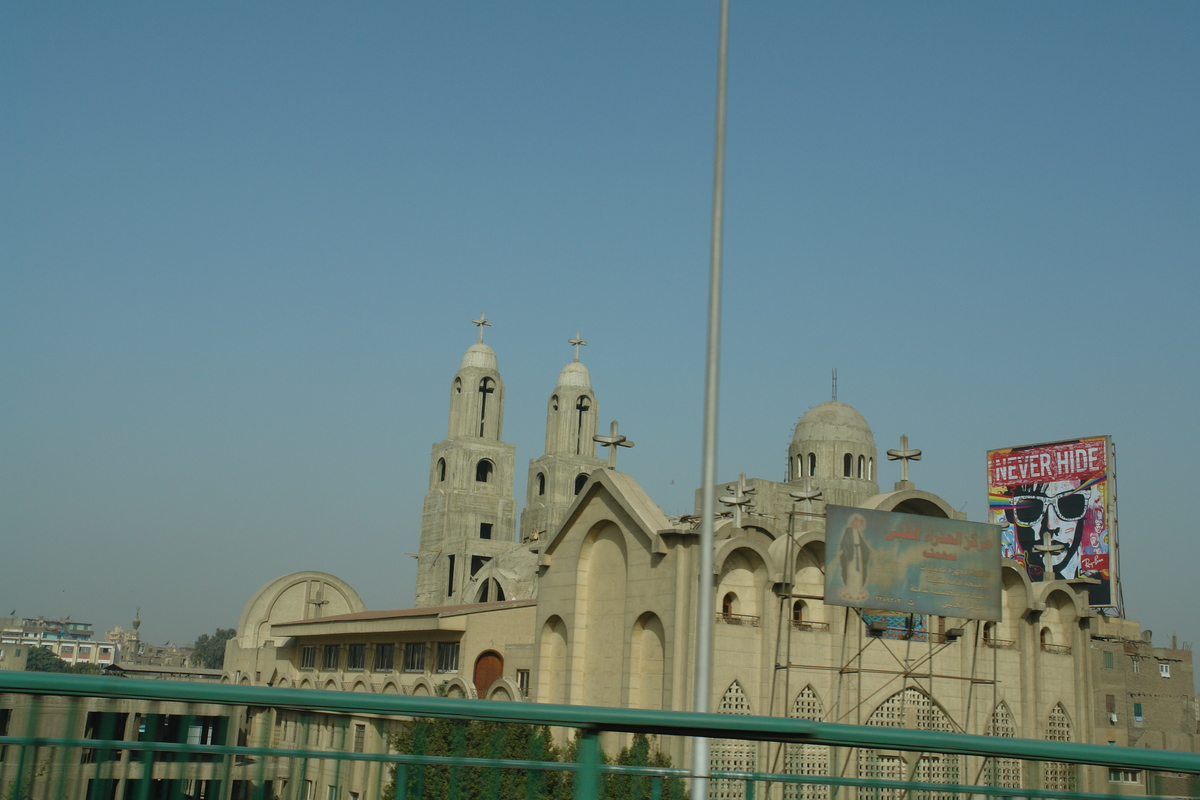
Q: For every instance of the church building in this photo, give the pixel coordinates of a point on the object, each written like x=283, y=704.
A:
x=592, y=599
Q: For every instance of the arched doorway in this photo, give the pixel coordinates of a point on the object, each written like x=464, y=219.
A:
x=489, y=668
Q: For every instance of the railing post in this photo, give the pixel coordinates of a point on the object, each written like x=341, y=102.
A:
x=587, y=777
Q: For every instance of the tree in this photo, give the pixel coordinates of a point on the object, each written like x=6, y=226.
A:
x=42, y=659
x=210, y=650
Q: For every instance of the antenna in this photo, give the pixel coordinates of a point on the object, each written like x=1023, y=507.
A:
x=835, y=384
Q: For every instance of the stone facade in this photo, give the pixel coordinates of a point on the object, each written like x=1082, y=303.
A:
x=596, y=603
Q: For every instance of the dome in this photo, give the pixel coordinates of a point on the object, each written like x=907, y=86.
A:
x=480, y=355
x=833, y=421
x=575, y=375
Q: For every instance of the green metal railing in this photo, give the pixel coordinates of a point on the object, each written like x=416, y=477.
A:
x=105, y=738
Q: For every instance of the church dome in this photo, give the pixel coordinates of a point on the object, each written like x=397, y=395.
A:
x=575, y=375
x=480, y=355
x=833, y=421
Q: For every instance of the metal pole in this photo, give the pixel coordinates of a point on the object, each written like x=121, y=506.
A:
x=708, y=480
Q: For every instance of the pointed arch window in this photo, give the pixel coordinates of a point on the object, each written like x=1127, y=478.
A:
x=458, y=385
x=847, y=465
x=580, y=480
x=582, y=406
x=484, y=470
x=554, y=402
x=487, y=386
x=441, y=469
x=812, y=464
x=541, y=483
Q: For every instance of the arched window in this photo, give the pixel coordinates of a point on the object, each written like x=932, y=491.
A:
x=541, y=483
x=483, y=471
x=870, y=469
x=458, y=385
x=580, y=480
x=487, y=386
x=1044, y=637
x=582, y=406
x=988, y=630
x=554, y=403
x=862, y=463
x=812, y=464
x=847, y=465
x=797, y=612
x=729, y=605
x=441, y=469
x=800, y=466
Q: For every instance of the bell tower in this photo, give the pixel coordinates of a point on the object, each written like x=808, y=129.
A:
x=469, y=514
x=557, y=476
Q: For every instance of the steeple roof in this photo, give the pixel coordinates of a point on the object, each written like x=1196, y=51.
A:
x=575, y=374
x=480, y=355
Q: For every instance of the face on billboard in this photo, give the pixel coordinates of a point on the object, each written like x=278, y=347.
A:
x=1050, y=515
x=1054, y=500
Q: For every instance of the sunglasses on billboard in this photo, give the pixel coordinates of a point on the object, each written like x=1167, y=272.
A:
x=1028, y=509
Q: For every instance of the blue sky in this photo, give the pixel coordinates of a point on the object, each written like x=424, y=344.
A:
x=242, y=247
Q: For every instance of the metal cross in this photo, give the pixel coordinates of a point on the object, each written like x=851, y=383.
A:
x=739, y=499
x=904, y=455
x=482, y=321
x=612, y=442
x=577, y=342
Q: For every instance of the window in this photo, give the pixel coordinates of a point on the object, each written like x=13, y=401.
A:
x=554, y=403
x=356, y=657
x=1137, y=712
x=450, y=581
x=798, y=611
x=523, y=682
x=441, y=469
x=1116, y=775
x=580, y=480
x=1137, y=665
x=308, y=656
x=1110, y=703
x=1164, y=670
x=483, y=471
x=360, y=737
x=485, y=532
x=67, y=650
x=486, y=386
x=870, y=469
x=861, y=466
x=447, y=657
x=385, y=655
x=728, y=604
x=812, y=464
x=541, y=483
x=414, y=657
x=989, y=630
x=847, y=465
x=477, y=563
x=1108, y=659
x=329, y=659
x=331, y=793
x=85, y=651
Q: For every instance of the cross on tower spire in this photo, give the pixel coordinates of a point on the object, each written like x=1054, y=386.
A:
x=612, y=442
x=904, y=455
x=577, y=341
x=835, y=384
x=481, y=322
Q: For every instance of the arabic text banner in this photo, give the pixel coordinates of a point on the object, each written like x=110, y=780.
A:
x=912, y=564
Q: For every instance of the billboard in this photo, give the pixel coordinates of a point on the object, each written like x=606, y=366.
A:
x=1056, y=502
x=912, y=564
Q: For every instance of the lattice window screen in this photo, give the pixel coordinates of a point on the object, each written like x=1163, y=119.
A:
x=807, y=759
x=910, y=708
x=1057, y=776
x=1003, y=771
x=732, y=754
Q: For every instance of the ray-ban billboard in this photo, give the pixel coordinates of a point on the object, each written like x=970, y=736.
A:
x=1056, y=502
x=912, y=564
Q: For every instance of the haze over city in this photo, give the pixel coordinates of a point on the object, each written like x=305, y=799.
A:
x=243, y=247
